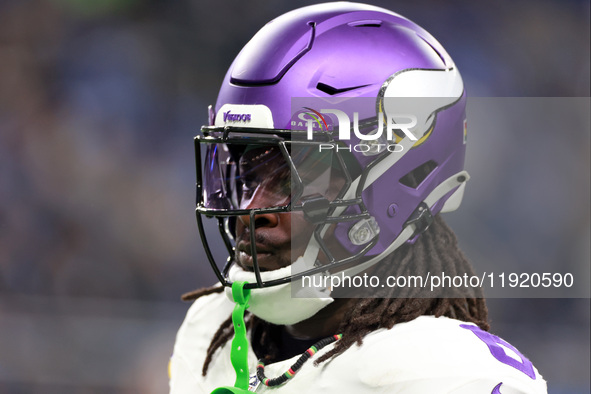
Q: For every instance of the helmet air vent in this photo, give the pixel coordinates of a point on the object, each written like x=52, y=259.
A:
x=331, y=90
x=366, y=23
x=417, y=176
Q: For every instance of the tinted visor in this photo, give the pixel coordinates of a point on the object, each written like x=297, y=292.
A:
x=239, y=176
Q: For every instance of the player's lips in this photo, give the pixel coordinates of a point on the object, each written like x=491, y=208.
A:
x=265, y=258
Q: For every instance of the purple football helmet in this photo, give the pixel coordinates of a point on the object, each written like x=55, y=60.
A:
x=280, y=122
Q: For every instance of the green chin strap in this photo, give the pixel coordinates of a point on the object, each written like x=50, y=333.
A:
x=239, y=351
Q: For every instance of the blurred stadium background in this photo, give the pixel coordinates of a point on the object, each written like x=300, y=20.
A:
x=99, y=101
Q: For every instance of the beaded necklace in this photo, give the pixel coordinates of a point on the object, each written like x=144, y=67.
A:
x=297, y=365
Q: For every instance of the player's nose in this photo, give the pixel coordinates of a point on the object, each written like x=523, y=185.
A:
x=262, y=198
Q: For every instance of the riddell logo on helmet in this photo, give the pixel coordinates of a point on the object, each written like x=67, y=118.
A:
x=372, y=142
x=229, y=117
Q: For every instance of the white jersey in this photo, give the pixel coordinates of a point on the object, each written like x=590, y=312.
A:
x=427, y=355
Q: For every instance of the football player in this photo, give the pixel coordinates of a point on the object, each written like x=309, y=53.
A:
x=337, y=139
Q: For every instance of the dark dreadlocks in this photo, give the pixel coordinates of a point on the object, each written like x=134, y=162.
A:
x=435, y=251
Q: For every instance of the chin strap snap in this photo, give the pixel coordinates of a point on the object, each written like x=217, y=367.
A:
x=239, y=350
x=421, y=219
